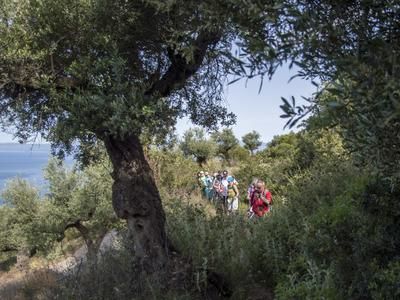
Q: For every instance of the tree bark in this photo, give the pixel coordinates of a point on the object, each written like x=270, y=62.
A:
x=92, y=244
x=135, y=198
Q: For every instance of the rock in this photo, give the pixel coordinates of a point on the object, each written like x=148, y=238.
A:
x=111, y=241
x=70, y=263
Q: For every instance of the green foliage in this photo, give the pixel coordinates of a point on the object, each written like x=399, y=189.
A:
x=173, y=172
x=316, y=284
x=252, y=141
x=216, y=243
x=31, y=222
x=352, y=49
x=384, y=285
x=22, y=197
x=238, y=154
x=4, y=233
x=74, y=196
x=338, y=237
x=21, y=206
x=368, y=129
x=273, y=252
x=196, y=144
x=332, y=233
x=226, y=141
x=288, y=155
x=101, y=68
x=313, y=245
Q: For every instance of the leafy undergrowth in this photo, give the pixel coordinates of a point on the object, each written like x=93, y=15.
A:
x=189, y=275
x=332, y=236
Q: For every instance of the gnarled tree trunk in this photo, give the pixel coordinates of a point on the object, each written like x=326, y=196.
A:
x=92, y=244
x=135, y=198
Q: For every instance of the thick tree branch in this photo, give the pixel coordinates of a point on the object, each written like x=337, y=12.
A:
x=92, y=244
x=180, y=69
x=81, y=228
x=16, y=85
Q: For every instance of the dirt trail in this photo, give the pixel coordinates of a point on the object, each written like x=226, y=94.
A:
x=24, y=279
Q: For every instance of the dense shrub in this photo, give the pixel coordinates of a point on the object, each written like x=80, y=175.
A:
x=175, y=174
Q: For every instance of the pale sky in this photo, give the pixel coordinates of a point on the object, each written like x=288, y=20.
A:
x=261, y=111
x=254, y=111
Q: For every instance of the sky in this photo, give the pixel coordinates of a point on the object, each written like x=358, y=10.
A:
x=254, y=111
x=261, y=111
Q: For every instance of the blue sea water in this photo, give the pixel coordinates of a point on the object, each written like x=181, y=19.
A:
x=24, y=161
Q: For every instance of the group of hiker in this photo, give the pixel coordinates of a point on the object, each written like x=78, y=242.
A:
x=222, y=189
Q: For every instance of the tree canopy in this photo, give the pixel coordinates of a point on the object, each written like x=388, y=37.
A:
x=226, y=141
x=80, y=69
x=196, y=144
x=252, y=141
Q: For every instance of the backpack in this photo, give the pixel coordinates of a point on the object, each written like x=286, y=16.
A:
x=218, y=187
x=202, y=182
x=232, y=192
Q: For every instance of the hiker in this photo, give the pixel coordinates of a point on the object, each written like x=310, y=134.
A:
x=251, y=189
x=209, y=186
x=226, y=176
x=225, y=182
x=219, y=194
x=260, y=201
x=218, y=188
x=232, y=200
x=201, y=180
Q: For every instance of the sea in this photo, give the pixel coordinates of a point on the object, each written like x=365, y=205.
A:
x=25, y=161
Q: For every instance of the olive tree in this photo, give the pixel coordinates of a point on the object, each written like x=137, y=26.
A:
x=80, y=200
x=19, y=214
x=226, y=141
x=79, y=71
x=252, y=141
x=196, y=144
x=74, y=199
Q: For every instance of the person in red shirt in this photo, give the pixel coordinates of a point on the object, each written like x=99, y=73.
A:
x=261, y=199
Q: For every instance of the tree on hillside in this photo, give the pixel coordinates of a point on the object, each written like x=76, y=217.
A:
x=226, y=141
x=252, y=141
x=78, y=200
x=77, y=72
x=239, y=154
x=195, y=144
x=19, y=213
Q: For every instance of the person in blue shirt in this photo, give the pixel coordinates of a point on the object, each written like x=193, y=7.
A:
x=208, y=186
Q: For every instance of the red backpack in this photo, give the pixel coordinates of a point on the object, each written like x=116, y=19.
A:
x=218, y=187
